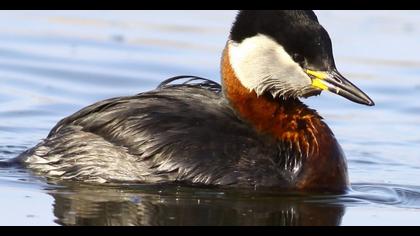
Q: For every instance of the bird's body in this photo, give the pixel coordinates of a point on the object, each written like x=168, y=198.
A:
x=252, y=131
x=159, y=136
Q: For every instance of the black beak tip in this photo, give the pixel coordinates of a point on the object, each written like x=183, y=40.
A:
x=370, y=103
x=364, y=100
x=349, y=90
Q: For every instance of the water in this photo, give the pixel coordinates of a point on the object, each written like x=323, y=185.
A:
x=66, y=60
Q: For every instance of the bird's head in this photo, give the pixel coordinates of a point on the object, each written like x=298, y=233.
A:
x=287, y=54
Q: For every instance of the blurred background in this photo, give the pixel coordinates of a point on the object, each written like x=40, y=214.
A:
x=53, y=63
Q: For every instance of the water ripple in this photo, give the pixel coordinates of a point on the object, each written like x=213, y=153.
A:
x=70, y=59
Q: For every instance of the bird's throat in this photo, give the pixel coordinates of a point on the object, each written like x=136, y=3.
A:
x=295, y=126
x=287, y=120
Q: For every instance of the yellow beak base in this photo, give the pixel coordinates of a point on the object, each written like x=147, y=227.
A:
x=317, y=80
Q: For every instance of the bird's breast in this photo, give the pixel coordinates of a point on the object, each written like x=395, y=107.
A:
x=308, y=146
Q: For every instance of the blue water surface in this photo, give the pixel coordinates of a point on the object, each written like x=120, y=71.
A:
x=53, y=63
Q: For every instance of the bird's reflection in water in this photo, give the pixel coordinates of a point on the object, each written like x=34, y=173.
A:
x=172, y=205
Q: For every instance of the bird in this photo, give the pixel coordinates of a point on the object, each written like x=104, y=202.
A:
x=250, y=131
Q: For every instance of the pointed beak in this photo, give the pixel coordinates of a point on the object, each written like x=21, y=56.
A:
x=334, y=82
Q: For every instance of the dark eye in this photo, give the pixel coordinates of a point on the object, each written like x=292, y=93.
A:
x=298, y=58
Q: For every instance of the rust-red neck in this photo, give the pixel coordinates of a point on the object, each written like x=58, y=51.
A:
x=290, y=122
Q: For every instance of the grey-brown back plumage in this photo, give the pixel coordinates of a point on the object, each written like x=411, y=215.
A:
x=182, y=132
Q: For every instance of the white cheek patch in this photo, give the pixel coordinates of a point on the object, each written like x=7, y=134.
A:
x=261, y=64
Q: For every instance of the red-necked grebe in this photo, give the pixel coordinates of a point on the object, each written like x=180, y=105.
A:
x=250, y=132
